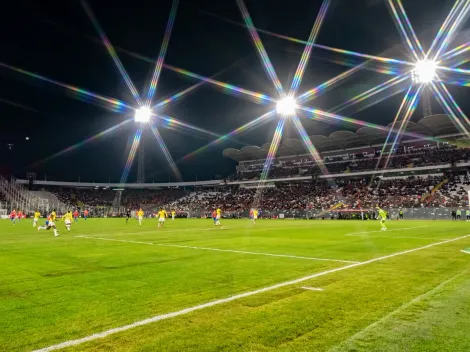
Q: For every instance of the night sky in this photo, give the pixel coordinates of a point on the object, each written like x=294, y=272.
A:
x=57, y=40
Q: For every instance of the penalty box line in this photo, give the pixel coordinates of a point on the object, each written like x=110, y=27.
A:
x=220, y=250
x=232, y=298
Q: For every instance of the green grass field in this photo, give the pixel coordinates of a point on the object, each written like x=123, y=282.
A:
x=306, y=285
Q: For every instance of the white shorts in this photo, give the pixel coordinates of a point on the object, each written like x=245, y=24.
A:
x=161, y=220
x=141, y=217
x=68, y=222
x=35, y=220
x=218, y=217
x=51, y=223
x=255, y=217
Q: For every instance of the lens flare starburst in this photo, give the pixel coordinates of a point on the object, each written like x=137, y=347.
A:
x=426, y=71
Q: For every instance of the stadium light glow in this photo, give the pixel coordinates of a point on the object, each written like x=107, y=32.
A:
x=425, y=71
x=286, y=106
x=143, y=115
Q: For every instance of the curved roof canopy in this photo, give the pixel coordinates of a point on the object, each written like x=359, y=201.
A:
x=434, y=125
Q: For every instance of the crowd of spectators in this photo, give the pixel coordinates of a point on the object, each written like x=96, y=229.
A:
x=356, y=163
x=410, y=192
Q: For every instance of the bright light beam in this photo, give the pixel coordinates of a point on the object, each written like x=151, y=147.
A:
x=165, y=151
x=454, y=52
x=245, y=127
x=450, y=112
x=410, y=109
x=111, y=52
x=309, y=145
x=324, y=47
x=172, y=122
x=113, y=104
x=286, y=106
x=83, y=143
x=132, y=152
x=315, y=92
x=229, y=88
x=260, y=48
x=308, y=48
x=403, y=30
x=269, y=160
x=425, y=71
x=443, y=27
x=143, y=115
x=332, y=118
x=161, y=55
x=370, y=92
x=410, y=28
x=462, y=13
x=392, y=128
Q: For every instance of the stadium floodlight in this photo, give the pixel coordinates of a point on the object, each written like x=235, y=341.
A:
x=143, y=115
x=425, y=71
x=286, y=106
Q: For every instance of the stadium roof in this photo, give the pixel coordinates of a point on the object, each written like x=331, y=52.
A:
x=431, y=126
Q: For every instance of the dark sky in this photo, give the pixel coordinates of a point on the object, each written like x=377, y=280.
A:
x=57, y=40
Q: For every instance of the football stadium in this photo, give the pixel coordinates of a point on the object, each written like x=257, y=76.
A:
x=247, y=175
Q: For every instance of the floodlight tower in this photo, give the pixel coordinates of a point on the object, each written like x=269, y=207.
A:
x=142, y=115
x=286, y=106
x=141, y=163
x=425, y=73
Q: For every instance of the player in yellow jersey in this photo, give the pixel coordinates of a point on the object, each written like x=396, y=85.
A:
x=140, y=216
x=218, y=216
x=173, y=214
x=162, y=215
x=37, y=215
x=68, y=220
x=50, y=223
x=255, y=215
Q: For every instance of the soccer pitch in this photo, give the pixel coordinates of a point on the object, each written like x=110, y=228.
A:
x=279, y=285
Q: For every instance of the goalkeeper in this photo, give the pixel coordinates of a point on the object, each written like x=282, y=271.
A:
x=383, y=218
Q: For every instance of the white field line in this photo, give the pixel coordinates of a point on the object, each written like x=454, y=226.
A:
x=398, y=310
x=312, y=288
x=223, y=250
x=401, y=229
x=464, y=251
x=156, y=318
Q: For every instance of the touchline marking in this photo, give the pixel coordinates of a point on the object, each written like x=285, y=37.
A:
x=464, y=251
x=257, y=253
x=223, y=250
x=398, y=310
x=312, y=288
x=401, y=229
x=231, y=298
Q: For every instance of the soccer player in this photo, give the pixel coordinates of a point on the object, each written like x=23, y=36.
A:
x=13, y=216
x=85, y=214
x=75, y=215
x=19, y=215
x=140, y=215
x=162, y=215
x=173, y=214
x=128, y=215
x=383, y=218
x=218, y=216
x=214, y=216
x=50, y=223
x=37, y=215
x=255, y=215
x=467, y=213
x=68, y=220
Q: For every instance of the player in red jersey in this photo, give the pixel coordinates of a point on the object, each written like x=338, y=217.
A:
x=75, y=215
x=13, y=216
x=20, y=215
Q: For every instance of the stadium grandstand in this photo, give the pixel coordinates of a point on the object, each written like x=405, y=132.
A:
x=426, y=172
